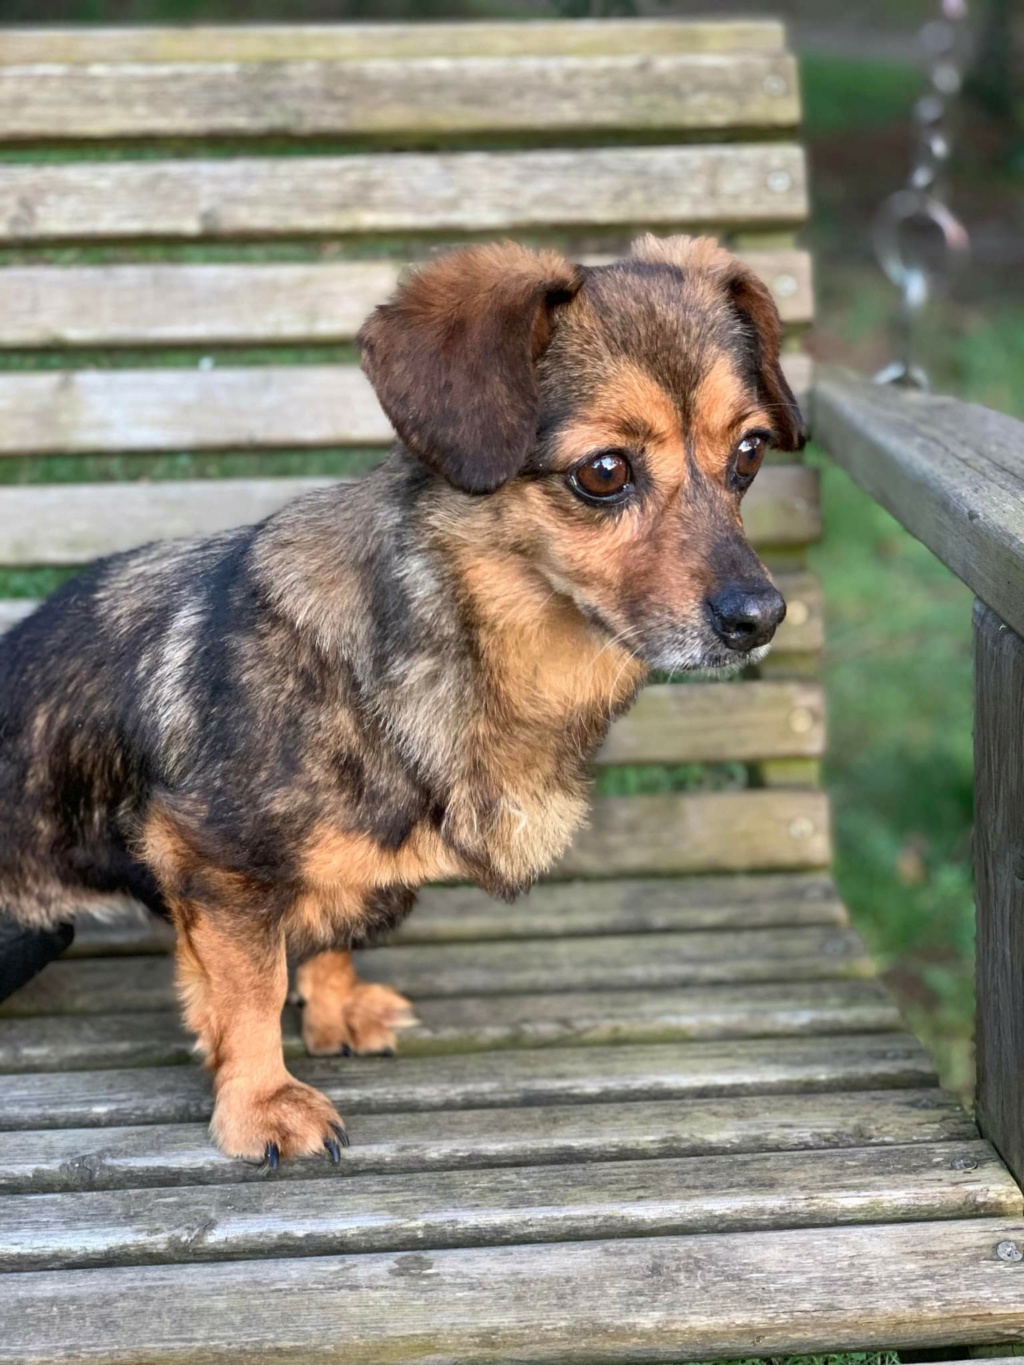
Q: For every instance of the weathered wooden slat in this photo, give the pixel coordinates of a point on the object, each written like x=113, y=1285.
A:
x=999, y=875
x=498, y=1207
x=77, y=412
x=54, y=1160
x=742, y=831
x=951, y=472
x=731, y=723
x=413, y=98
x=797, y=1291
x=362, y=42
x=680, y=833
x=472, y=1023
x=266, y=406
x=73, y=523
x=802, y=632
x=261, y=197
x=11, y=612
x=178, y=1094
x=228, y=304
x=446, y=970
x=556, y=910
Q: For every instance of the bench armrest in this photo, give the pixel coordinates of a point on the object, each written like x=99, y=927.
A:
x=952, y=473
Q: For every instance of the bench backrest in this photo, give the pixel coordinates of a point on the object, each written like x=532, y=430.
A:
x=194, y=222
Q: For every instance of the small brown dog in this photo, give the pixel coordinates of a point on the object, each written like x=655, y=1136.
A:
x=275, y=736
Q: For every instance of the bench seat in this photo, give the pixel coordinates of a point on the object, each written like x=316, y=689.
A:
x=640, y=1119
x=662, y=1109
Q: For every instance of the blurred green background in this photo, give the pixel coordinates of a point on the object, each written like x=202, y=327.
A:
x=898, y=662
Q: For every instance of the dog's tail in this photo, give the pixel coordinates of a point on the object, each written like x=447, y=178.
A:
x=25, y=951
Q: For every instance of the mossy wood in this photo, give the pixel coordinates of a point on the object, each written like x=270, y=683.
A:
x=661, y=1109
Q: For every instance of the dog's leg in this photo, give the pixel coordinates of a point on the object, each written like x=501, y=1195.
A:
x=343, y=1014
x=233, y=979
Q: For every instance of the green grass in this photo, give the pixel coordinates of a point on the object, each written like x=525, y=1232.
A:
x=840, y=93
x=898, y=679
x=898, y=653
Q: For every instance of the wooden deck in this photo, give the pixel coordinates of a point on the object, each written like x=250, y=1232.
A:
x=644, y=1119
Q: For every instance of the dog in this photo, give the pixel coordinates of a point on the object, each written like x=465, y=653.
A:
x=275, y=736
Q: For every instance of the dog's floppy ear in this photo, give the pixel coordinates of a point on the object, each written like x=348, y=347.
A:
x=751, y=299
x=452, y=358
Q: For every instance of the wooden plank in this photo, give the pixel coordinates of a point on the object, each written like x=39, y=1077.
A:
x=11, y=612
x=801, y=633
x=361, y=42
x=445, y=970
x=555, y=910
x=951, y=472
x=249, y=408
x=500, y=1207
x=999, y=879
x=415, y=99
x=733, y=722
x=228, y=304
x=478, y=1080
x=741, y=831
x=703, y=1297
x=486, y=192
x=74, y=523
x=255, y=407
x=474, y=1023
x=83, y=411
x=54, y=1160
x=679, y=833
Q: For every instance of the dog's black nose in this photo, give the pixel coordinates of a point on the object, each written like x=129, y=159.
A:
x=746, y=615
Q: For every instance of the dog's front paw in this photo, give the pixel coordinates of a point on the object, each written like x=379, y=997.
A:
x=271, y=1126
x=365, y=1020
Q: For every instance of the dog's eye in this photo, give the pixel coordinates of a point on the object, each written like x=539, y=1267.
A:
x=747, y=458
x=602, y=478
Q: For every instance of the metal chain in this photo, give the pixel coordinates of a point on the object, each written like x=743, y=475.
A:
x=918, y=239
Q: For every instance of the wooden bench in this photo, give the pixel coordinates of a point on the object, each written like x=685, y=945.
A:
x=659, y=1110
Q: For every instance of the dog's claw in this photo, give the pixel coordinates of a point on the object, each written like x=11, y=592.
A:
x=333, y=1150
x=272, y=1156
x=342, y=1135
x=386, y=1052
x=346, y=1051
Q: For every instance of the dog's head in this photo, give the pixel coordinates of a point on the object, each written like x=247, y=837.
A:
x=615, y=416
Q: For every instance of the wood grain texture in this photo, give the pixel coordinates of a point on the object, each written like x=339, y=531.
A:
x=743, y=831
x=500, y=1207
x=677, y=833
x=555, y=910
x=569, y=1075
x=62, y=411
x=74, y=523
x=361, y=42
x=54, y=1160
x=416, y=98
x=951, y=472
x=255, y=407
x=228, y=304
x=733, y=722
x=447, y=970
x=999, y=880
x=476, y=1023
x=801, y=634
x=489, y=192
x=641, y=1299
